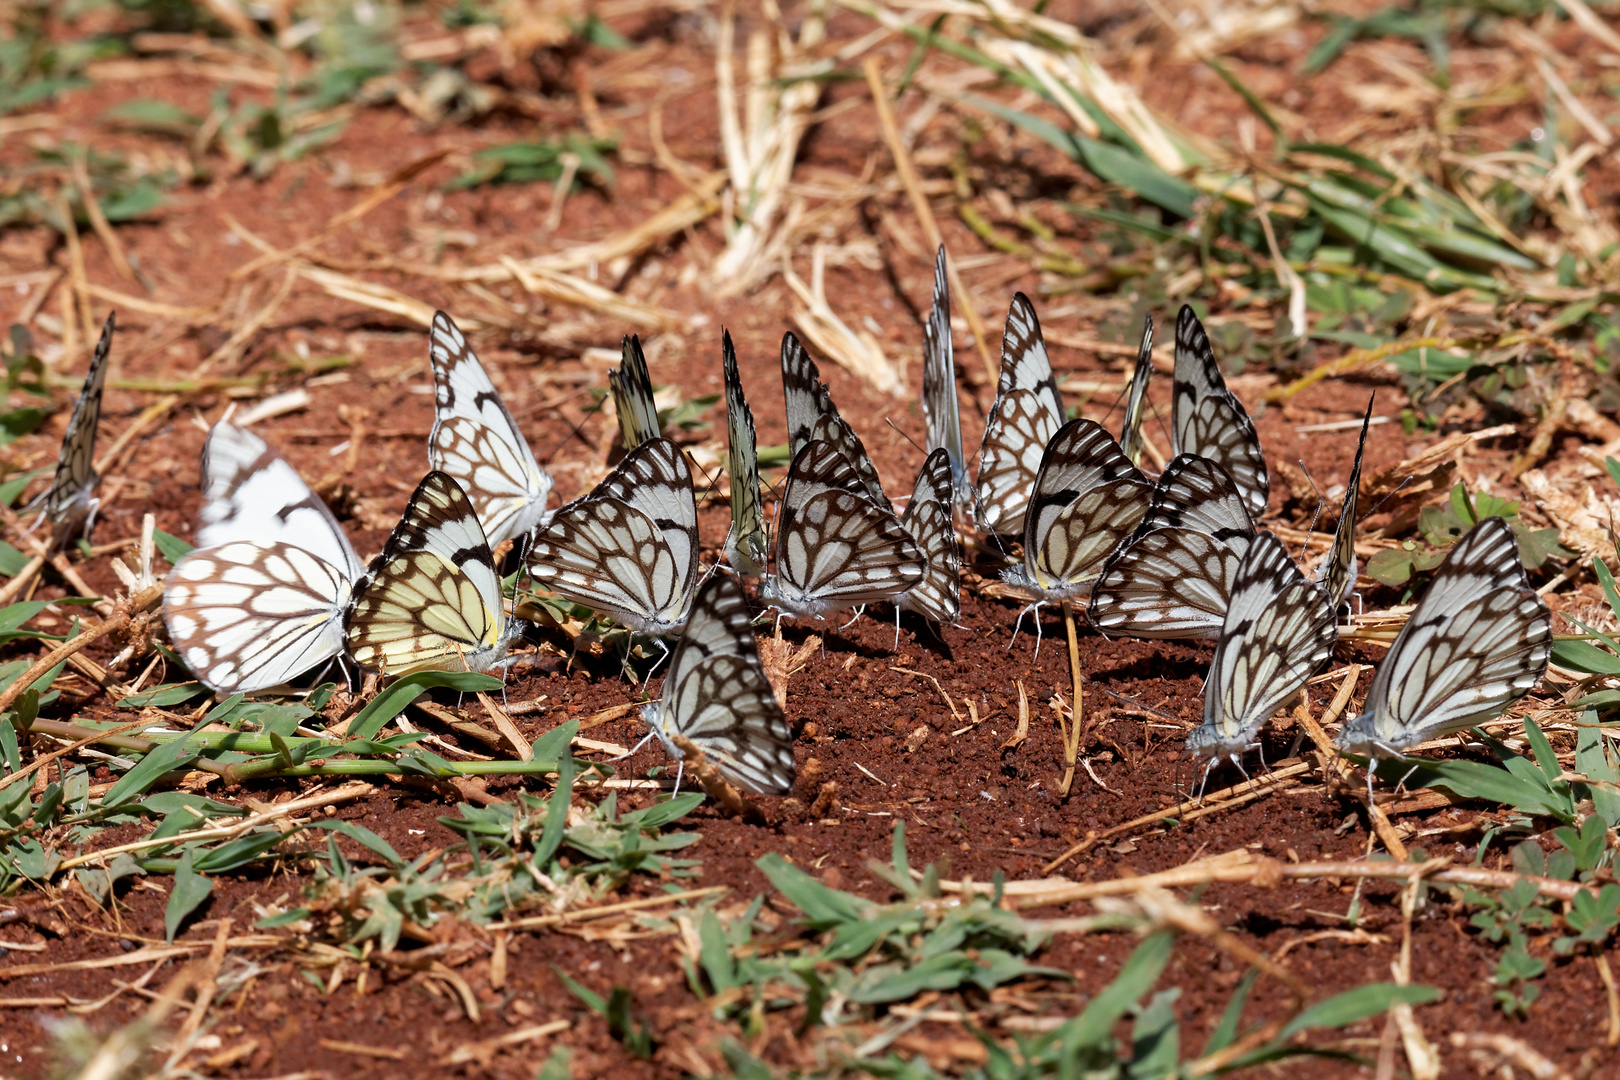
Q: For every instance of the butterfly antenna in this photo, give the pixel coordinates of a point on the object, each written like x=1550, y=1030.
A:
x=1127, y=698
x=906, y=437
x=1319, y=500
x=1385, y=499
x=712, y=483
x=574, y=432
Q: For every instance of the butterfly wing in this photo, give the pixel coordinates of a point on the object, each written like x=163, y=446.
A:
x=746, y=545
x=476, y=441
x=1174, y=577
x=1087, y=498
x=939, y=384
x=812, y=416
x=629, y=548
x=432, y=599
x=248, y=615
x=69, y=504
x=716, y=694
x=834, y=548
x=1338, y=570
x=1279, y=630
x=633, y=396
x=938, y=596
x=1209, y=421
x=1478, y=641
x=250, y=492
x=1026, y=413
x=1130, y=431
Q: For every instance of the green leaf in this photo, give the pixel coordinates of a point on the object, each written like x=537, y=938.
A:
x=1593, y=759
x=820, y=904
x=1141, y=970
x=170, y=547
x=286, y=918
x=155, y=117
x=362, y=836
x=1391, y=566
x=188, y=890
x=165, y=758
x=559, y=1066
x=396, y=696
x=13, y=617
x=1584, y=656
x=12, y=561
x=593, y=1001
x=164, y=696
x=553, y=745
x=1357, y=1004
x=1226, y=1031
x=1476, y=780
x=551, y=837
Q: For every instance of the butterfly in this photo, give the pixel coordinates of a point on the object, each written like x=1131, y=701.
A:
x=262, y=597
x=1209, y=421
x=1338, y=570
x=432, y=599
x=476, y=441
x=836, y=548
x=1087, y=498
x=69, y=504
x=747, y=547
x=1026, y=413
x=1173, y=578
x=1478, y=641
x=1130, y=432
x=629, y=548
x=633, y=396
x=1279, y=630
x=938, y=596
x=939, y=385
x=812, y=416
x=716, y=695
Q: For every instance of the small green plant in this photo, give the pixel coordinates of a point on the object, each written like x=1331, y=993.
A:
x=1440, y=526
x=546, y=160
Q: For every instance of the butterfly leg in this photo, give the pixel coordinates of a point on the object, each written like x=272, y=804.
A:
x=1205, y=781
x=897, y=629
x=858, y=613
x=1415, y=766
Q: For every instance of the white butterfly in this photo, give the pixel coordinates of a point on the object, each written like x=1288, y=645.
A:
x=262, y=598
x=1279, y=631
x=1027, y=412
x=1087, y=498
x=716, y=695
x=1173, y=578
x=1130, y=431
x=633, y=396
x=1209, y=421
x=476, y=441
x=938, y=596
x=939, y=385
x=432, y=599
x=629, y=548
x=835, y=548
x=69, y=504
x=812, y=416
x=1338, y=570
x=747, y=547
x=1478, y=641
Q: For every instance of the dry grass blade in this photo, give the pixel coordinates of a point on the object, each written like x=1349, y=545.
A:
x=503, y=723
x=129, y=608
x=561, y=288
x=857, y=352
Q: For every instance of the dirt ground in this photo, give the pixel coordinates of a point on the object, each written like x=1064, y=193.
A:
x=890, y=727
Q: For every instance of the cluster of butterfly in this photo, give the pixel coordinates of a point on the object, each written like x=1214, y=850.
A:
x=274, y=588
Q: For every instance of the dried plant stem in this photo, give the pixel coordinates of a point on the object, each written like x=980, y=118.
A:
x=1353, y=360
x=1332, y=761
x=607, y=909
x=1078, y=726
x=98, y=220
x=925, y=214
x=128, y=609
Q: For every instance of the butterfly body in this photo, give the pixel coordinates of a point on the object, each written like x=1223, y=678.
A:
x=1279, y=630
x=264, y=595
x=1026, y=414
x=716, y=694
x=70, y=503
x=1478, y=641
x=476, y=441
x=1174, y=577
x=1087, y=498
x=629, y=548
x=938, y=595
x=1209, y=420
x=432, y=599
x=836, y=548
x=747, y=547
